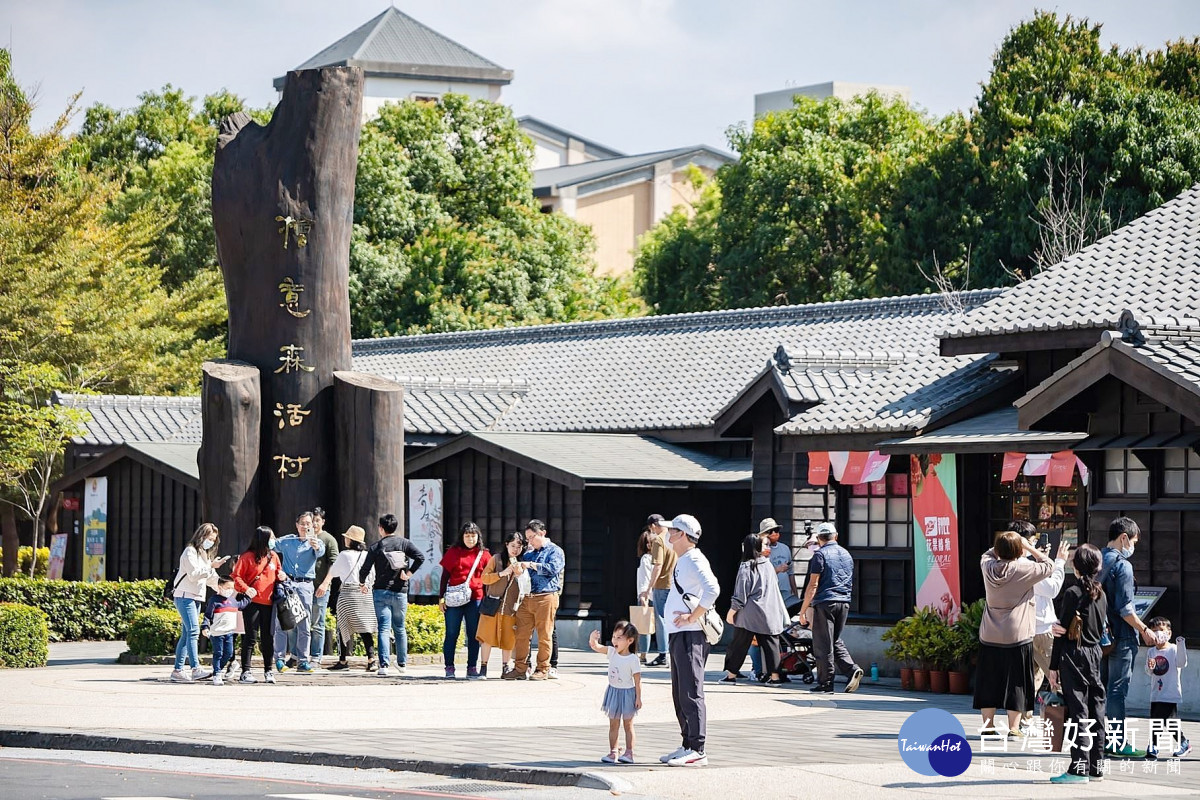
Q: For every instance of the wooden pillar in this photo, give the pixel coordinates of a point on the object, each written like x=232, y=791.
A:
x=369, y=432
x=229, y=459
x=283, y=207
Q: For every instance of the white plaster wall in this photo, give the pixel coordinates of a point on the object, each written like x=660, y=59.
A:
x=377, y=91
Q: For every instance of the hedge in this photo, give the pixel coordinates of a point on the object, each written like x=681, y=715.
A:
x=78, y=610
x=153, y=632
x=425, y=626
x=24, y=636
x=24, y=554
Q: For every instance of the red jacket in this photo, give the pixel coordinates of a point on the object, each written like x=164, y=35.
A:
x=456, y=565
x=267, y=570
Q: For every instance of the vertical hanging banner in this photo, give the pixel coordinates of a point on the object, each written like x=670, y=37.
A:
x=58, y=556
x=818, y=468
x=95, y=528
x=934, y=483
x=425, y=531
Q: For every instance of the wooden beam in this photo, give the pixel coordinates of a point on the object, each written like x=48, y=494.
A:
x=1057, y=391
x=230, y=457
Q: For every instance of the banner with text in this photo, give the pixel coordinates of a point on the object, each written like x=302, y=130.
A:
x=934, y=482
x=425, y=531
x=95, y=528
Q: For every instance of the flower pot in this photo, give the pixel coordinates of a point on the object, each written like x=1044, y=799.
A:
x=939, y=681
x=960, y=682
x=906, y=677
x=921, y=680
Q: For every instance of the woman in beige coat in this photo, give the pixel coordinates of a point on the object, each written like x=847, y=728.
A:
x=503, y=589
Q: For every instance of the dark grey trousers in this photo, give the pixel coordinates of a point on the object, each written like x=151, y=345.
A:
x=689, y=651
x=827, y=623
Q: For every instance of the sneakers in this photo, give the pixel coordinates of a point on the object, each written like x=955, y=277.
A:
x=200, y=673
x=285, y=666
x=383, y=671
x=372, y=665
x=279, y=667
x=539, y=676
x=400, y=668
x=229, y=670
x=552, y=674
x=473, y=674
x=482, y=673
x=1183, y=750
x=247, y=677
x=672, y=755
x=514, y=675
x=1016, y=734
x=728, y=679
x=611, y=758
x=1070, y=777
x=689, y=758
x=450, y=672
x=1152, y=754
x=822, y=688
x=307, y=668
x=1126, y=751
x=855, y=680
x=339, y=666
x=218, y=679
x=661, y=661
x=269, y=677
x=179, y=676
x=626, y=757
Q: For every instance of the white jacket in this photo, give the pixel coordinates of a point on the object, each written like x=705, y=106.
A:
x=195, y=573
x=645, y=567
x=694, y=575
x=1044, y=594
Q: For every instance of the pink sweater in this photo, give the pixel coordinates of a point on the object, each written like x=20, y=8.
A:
x=1010, y=613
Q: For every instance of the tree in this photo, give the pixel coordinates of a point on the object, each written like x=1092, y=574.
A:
x=448, y=236
x=675, y=268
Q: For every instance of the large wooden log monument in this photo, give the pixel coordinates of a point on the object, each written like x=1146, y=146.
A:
x=287, y=424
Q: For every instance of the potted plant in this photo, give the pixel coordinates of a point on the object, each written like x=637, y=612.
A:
x=899, y=638
x=924, y=647
x=942, y=647
x=966, y=647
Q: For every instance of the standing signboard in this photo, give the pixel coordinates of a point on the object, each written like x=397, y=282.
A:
x=58, y=556
x=934, y=485
x=95, y=528
x=425, y=531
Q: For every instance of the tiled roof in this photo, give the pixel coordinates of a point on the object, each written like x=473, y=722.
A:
x=598, y=458
x=653, y=373
x=993, y=431
x=116, y=419
x=1150, y=266
x=905, y=398
x=550, y=178
x=394, y=42
x=814, y=375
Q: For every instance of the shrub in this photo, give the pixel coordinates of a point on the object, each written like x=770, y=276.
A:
x=24, y=554
x=24, y=636
x=79, y=610
x=153, y=632
x=426, y=627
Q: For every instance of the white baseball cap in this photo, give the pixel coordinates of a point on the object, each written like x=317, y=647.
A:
x=827, y=529
x=688, y=524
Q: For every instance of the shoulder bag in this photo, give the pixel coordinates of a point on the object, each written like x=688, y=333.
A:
x=711, y=624
x=490, y=606
x=460, y=593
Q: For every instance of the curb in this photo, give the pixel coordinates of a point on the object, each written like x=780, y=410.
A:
x=507, y=773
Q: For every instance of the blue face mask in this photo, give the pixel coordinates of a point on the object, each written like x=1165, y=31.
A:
x=207, y=545
x=1127, y=552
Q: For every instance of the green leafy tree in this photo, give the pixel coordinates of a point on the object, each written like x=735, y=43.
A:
x=676, y=259
x=447, y=235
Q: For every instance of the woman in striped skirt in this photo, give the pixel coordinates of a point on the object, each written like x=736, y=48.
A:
x=355, y=610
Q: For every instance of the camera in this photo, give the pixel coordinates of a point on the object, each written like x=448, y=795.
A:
x=808, y=528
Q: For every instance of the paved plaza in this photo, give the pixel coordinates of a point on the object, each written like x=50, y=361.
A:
x=763, y=742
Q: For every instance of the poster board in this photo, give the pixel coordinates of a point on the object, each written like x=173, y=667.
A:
x=425, y=531
x=933, y=481
x=1144, y=600
x=58, y=556
x=95, y=529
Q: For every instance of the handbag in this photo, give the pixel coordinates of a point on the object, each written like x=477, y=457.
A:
x=289, y=607
x=711, y=624
x=460, y=593
x=642, y=618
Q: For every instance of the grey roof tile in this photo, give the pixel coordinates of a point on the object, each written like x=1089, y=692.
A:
x=573, y=174
x=1150, y=266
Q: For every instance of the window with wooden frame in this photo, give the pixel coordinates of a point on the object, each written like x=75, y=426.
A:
x=1125, y=474
x=1181, y=472
x=880, y=513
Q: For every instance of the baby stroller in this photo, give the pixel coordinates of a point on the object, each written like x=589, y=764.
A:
x=795, y=652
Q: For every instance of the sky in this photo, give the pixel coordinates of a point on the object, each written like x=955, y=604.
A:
x=636, y=75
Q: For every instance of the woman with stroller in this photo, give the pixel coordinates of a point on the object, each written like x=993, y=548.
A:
x=756, y=611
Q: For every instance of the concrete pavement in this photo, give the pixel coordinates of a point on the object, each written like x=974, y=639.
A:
x=763, y=742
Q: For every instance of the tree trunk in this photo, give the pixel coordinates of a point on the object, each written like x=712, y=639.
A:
x=10, y=543
x=369, y=432
x=231, y=410
x=283, y=207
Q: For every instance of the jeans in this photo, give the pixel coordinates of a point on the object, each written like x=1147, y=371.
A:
x=390, y=610
x=302, y=632
x=1120, y=671
x=455, y=617
x=316, y=624
x=189, y=638
x=222, y=648
x=659, y=597
x=756, y=659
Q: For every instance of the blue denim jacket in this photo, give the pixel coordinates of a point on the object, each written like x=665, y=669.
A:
x=834, y=568
x=546, y=568
x=1116, y=576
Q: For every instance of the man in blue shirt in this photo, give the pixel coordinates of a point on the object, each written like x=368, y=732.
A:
x=831, y=578
x=545, y=563
x=1116, y=576
x=298, y=553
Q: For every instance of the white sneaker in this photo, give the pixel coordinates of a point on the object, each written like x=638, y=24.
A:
x=383, y=672
x=179, y=676
x=200, y=673
x=690, y=758
x=218, y=679
x=553, y=674
x=400, y=669
x=673, y=754
x=247, y=677
x=269, y=677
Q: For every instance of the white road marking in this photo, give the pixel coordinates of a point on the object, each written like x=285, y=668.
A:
x=318, y=797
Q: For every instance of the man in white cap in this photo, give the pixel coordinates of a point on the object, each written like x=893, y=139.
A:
x=781, y=560
x=831, y=578
x=693, y=577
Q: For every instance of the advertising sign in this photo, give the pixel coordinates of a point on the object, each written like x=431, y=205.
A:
x=58, y=556
x=95, y=528
x=425, y=531
x=934, y=483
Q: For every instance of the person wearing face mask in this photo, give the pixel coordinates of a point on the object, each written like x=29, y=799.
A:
x=220, y=619
x=197, y=571
x=1116, y=578
x=255, y=575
